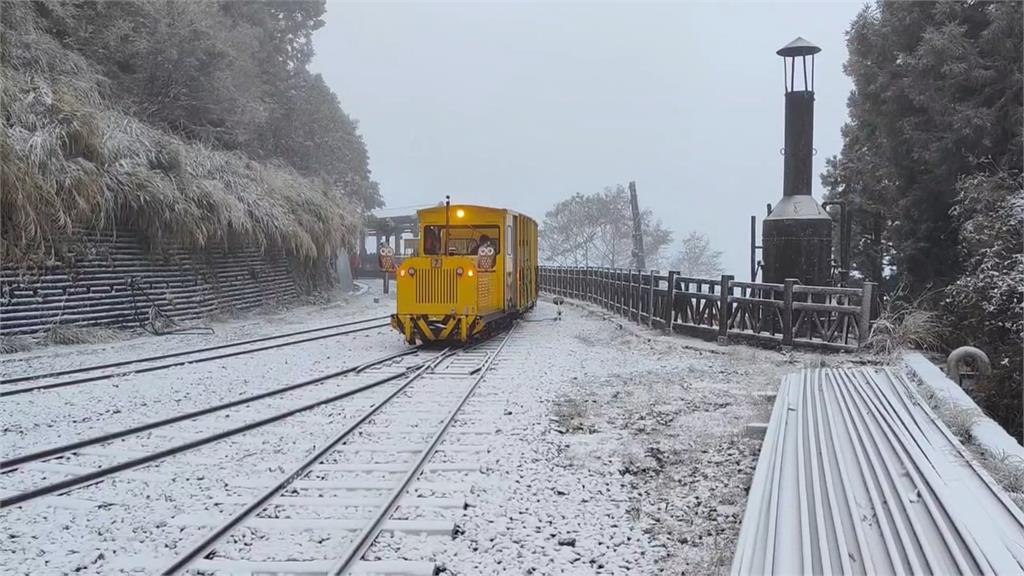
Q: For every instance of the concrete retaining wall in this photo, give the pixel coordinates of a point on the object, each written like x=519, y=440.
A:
x=109, y=280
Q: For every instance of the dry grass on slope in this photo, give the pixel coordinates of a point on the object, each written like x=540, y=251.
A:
x=904, y=325
x=69, y=159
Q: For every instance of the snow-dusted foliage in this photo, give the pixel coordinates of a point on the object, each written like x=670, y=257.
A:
x=597, y=230
x=986, y=302
x=142, y=116
x=697, y=258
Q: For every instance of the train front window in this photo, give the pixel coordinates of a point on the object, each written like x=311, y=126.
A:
x=462, y=240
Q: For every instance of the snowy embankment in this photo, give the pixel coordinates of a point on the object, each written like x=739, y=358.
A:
x=615, y=449
x=984, y=432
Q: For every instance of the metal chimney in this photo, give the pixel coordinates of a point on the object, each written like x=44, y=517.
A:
x=797, y=235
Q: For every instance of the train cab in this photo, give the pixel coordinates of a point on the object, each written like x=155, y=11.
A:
x=476, y=272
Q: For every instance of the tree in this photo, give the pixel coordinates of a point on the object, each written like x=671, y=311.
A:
x=596, y=230
x=937, y=87
x=569, y=232
x=231, y=74
x=310, y=131
x=985, y=303
x=696, y=258
x=931, y=169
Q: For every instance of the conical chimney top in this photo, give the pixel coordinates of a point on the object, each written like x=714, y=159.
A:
x=798, y=47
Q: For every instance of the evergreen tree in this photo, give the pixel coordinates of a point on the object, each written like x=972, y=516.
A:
x=931, y=169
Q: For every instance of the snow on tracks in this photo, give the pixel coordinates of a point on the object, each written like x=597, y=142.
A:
x=284, y=526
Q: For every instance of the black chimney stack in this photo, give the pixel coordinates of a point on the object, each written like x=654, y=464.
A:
x=797, y=235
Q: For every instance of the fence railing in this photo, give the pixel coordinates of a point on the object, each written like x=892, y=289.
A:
x=789, y=314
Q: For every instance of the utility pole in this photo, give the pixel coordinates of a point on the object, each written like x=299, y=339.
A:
x=638, y=237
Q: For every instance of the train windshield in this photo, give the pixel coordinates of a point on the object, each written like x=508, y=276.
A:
x=462, y=240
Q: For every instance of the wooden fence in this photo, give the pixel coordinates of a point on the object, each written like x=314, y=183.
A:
x=789, y=314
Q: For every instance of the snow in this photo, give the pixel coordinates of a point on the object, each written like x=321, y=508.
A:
x=985, y=432
x=591, y=447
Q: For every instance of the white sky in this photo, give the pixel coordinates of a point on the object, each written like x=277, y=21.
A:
x=520, y=105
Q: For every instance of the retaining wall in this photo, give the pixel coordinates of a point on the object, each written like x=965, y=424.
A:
x=113, y=280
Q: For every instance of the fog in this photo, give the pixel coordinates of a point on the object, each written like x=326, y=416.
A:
x=522, y=105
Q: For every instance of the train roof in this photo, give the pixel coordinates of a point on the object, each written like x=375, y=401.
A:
x=438, y=211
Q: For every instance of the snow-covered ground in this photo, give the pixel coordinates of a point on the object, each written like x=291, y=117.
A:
x=611, y=449
x=619, y=453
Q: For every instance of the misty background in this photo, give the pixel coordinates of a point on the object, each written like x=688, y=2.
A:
x=523, y=105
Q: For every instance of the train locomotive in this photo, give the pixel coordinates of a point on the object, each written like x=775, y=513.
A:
x=475, y=272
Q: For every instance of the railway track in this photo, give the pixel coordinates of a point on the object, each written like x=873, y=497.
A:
x=59, y=469
x=344, y=487
x=9, y=387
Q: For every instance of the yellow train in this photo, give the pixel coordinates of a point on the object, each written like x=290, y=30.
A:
x=475, y=272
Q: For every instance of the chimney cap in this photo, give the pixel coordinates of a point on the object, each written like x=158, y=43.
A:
x=798, y=47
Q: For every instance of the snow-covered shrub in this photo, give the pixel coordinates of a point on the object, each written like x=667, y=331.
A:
x=903, y=325
x=14, y=344
x=62, y=334
x=985, y=304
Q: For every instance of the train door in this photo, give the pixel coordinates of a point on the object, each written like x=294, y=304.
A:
x=511, y=266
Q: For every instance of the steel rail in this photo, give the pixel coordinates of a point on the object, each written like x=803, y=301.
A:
x=76, y=381
x=369, y=534
x=12, y=464
x=120, y=363
x=202, y=548
x=89, y=477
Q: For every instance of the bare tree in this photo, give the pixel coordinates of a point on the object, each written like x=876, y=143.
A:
x=596, y=230
x=696, y=258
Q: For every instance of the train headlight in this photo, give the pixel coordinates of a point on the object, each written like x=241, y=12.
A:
x=470, y=272
x=458, y=271
x=401, y=272
x=412, y=271
x=460, y=213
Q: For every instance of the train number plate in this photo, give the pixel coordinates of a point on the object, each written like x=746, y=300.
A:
x=435, y=262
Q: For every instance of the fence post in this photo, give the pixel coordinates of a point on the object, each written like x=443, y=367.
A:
x=623, y=294
x=638, y=295
x=787, y=312
x=609, y=291
x=614, y=287
x=670, y=302
x=724, y=291
x=864, y=322
x=591, y=285
x=650, y=302
x=629, y=295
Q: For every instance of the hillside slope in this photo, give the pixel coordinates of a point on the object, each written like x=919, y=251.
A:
x=82, y=149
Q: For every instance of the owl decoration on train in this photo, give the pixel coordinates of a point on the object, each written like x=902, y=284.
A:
x=485, y=256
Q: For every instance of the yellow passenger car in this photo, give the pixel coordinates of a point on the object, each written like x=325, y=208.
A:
x=476, y=272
